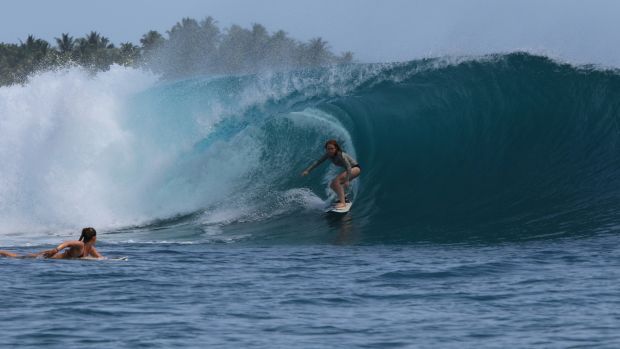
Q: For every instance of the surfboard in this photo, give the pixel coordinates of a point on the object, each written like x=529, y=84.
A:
x=123, y=258
x=343, y=210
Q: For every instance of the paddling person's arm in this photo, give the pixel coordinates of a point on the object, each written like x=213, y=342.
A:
x=314, y=165
x=71, y=244
x=94, y=253
x=8, y=254
x=47, y=253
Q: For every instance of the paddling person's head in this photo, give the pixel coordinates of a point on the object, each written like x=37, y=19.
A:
x=332, y=147
x=89, y=235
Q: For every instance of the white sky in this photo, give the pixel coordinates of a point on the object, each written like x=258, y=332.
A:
x=579, y=31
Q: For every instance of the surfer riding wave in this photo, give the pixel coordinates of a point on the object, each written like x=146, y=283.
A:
x=82, y=248
x=342, y=159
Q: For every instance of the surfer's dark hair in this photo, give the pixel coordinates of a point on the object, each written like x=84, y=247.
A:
x=88, y=234
x=334, y=143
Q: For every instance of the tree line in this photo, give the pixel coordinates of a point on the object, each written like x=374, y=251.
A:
x=190, y=47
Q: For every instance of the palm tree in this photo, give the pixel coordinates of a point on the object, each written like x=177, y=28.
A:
x=10, y=59
x=151, y=41
x=346, y=57
x=281, y=50
x=317, y=52
x=234, y=50
x=209, y=42
x=184, y=45
x=95, y=51
x=183, y=28
x=65, y=43
x=128, y=53
x=36, y=48
x=30, y=56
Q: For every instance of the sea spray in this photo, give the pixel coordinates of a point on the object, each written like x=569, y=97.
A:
x=57, y=135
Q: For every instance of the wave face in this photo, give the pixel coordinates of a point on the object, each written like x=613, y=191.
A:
x=508, y=147
x=502, y=147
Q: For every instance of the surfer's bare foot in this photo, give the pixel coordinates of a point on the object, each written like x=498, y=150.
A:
x=340, y=205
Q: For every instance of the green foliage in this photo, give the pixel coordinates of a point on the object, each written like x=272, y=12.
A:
x=191, y=48
x=151, y=41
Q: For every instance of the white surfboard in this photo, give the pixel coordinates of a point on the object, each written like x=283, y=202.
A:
x=345, y=209
x=124, y=258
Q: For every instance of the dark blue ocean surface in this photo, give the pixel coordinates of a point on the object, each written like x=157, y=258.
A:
x=552, y=293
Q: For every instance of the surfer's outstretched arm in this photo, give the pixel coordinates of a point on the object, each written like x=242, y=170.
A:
x=314, y=165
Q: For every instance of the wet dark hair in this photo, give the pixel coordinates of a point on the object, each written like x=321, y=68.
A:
x=334, y=143
x=88, y=234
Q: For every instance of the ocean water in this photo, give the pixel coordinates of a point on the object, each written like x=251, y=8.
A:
x=486, y=214
x=552, y=293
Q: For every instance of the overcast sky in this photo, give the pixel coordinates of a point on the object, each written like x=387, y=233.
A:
x=375, y=30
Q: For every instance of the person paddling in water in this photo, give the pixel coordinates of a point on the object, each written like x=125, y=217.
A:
x=82, y=248
x=342, y=159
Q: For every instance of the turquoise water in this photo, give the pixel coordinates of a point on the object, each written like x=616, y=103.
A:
x=486, y=214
